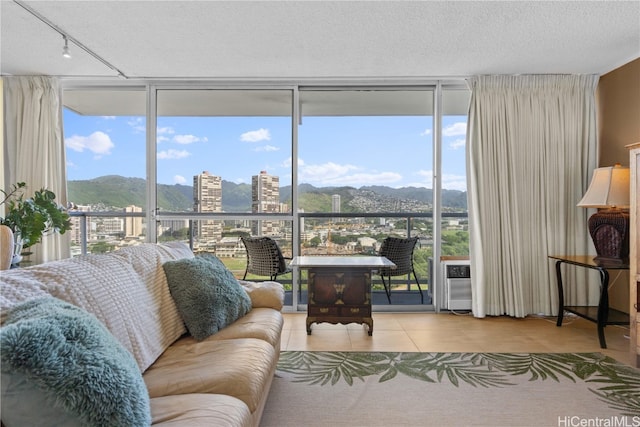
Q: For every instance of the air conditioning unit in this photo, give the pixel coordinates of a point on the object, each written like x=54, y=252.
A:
x=457, y=285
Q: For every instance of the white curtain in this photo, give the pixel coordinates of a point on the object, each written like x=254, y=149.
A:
x=35, y=148
x=531, y=147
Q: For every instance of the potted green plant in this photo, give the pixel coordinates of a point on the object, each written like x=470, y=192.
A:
x=33, y=217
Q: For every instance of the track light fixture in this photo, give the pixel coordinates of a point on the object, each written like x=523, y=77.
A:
x=65, y=49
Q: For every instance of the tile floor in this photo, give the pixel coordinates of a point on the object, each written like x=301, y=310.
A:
x=447, y=332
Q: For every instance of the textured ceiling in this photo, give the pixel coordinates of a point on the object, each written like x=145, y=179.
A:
x=317, y=39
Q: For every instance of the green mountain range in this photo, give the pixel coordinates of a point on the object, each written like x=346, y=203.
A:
x=114, y=192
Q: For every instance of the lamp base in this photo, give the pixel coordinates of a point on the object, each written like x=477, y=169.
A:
x=609, y=230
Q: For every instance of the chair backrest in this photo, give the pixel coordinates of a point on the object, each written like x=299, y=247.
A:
x=264, y=257
x=400, y=252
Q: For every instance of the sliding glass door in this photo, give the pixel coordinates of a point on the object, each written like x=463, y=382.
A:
x=364, y=174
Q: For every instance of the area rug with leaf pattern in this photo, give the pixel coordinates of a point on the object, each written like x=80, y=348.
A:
x=452, y=389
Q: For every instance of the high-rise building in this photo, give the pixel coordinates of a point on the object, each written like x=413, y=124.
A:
x=207, y=197
x=335, y=206
x=77, y=224
x=265, y=198
x=335, y=203
x=133, y=225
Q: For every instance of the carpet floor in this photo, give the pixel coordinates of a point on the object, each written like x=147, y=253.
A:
x=387, y=389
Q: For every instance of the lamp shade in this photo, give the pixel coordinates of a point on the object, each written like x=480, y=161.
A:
x=609, y=188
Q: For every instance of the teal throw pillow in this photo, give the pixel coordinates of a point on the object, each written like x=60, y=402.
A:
x=206, y=293
x=59, y=362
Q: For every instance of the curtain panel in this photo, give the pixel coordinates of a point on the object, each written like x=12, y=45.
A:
x=531, y=147
x=34, y=148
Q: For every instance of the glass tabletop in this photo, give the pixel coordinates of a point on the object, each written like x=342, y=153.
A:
x=341, y=261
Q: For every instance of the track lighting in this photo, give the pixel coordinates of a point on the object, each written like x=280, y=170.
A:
x=65, y=49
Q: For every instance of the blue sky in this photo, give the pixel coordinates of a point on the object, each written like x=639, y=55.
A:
x=395, y=151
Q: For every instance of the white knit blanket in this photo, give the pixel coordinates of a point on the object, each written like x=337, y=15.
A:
x=126, y=290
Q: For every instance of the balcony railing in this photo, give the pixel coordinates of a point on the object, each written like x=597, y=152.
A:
x=317, y=234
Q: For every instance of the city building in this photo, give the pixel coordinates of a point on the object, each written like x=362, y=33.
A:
x=110, y=228
x=207, y=198
x=77, y=223
x=335, y=206
x=265, y=198
x=133, y=224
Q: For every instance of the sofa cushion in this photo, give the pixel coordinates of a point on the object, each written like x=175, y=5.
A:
x=60, y=361
x=200, y=410
x=242, y=368
x=262, y=323
x=207, y=294
x=264, y=294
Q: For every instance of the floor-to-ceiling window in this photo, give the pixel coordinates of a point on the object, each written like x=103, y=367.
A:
x=367, y=160
x=223, y=166
x=105, y=139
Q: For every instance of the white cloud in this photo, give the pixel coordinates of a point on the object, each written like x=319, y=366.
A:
x=426, y=174
x=426, y=132
x=335, y=174
x=179, y=179
x=188, y=139
x=165, y=129
x=138, y=125
x=286, y=164
x=173, y=154
x=109, y=117
x=161, y=139
x=318, y=173
x=267, y=148
x=456, y=129
x=458, y=143
x=98, y=142
x=256, y=135
x=425, y=179
x=449, y=181
x=360, y=179
x=454, y=182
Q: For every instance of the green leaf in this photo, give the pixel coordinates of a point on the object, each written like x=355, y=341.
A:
x=616, y=384
x=33, y=217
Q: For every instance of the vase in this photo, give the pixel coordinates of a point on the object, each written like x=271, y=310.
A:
x=17, y=249
x=6, y=247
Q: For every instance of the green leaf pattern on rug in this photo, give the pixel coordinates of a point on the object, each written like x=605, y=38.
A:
x=616, y=384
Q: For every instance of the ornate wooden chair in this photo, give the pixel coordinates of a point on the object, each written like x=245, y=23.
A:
x=400, y=252
x=264, y=257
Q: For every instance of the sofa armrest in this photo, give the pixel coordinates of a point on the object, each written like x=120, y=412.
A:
x=264, y=294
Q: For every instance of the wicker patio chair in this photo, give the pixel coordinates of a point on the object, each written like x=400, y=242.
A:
x=264, y=257
x=400, y=252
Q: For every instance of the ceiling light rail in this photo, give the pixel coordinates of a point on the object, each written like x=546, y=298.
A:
x=65, y=52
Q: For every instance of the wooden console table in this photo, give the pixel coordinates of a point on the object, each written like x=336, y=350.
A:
x=601, y=314
x=339, y=288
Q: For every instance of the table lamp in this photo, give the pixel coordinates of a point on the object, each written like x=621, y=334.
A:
x=609, y=227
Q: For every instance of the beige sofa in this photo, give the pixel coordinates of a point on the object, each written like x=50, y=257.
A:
x=223, y=380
